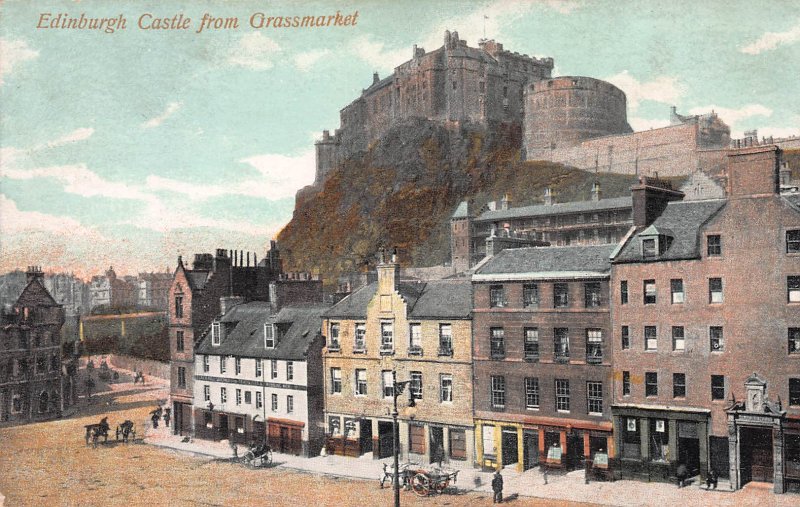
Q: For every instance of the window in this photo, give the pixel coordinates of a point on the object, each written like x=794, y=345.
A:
x=181, y=377
x=445, y=388
x=16, y=404
x=532, y=393
x=623, y=292
x=206, y=393
x=179, y=346
x=415, y=338
x=445, y=340
x=717, y=338
x=678, y=340
x=259, y=400
x=206, y=364
x=626, y=383
x=794, y=340
x=651, y=383
x=793, y=287
x=560, y=295
x=333, y=338
x=650, y=338
x=238, y=396
x=361, y=382
x=649, y=292
x=497, y=296
x=289, y=404
x=289, y=370
x=223, y=395
x=388, y=383
x=259, y=368
x=487, y=438
x=531, y=345
x=561, y=343
x=676, y=288
x=216, y=334
x=497, y=343
x=178, y=307
x=793, y=241
x=592, y=295
x=594, y=398
x=274, y=402
x=498, y=391
x=223, y=364
x=530, y=295
x=334, y=425
x=336, y=380
x=273, y=368
x=269, y=336
x=41, y=364
x=416, y=385
x=714, y=245
x=649, y=247
x=715, y=290
x=562, y=395
x=794, y=392
x=626, y=337
x=237, y=366
x=594, y=346
x=679, y=385
x=717, y=387
x=360, y=344
x=387, y=337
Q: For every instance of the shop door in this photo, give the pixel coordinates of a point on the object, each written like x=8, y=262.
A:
x=574, y=451
x=756, y=454
x=365, y=435
x=458, y=444
x=437, y=444
x=416, y=438
x=284, y=441
x=530, y=442
x=223, y=426
x=689, y=447
x=259, y=431
x=385, y=442
x=509, y=446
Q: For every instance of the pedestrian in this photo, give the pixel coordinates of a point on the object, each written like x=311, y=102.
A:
x=234, y=446
x=497, y=487
x=154, y=418
x=166, y=416
x=544, y=473
x=711, y=479
x=681, y=474
x=141, y=375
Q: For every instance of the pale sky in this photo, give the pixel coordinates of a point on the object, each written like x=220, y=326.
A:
x=126, y=149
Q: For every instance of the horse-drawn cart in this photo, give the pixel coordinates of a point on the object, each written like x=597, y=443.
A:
x=258, y=456
x=422, y=481
x=126, y=431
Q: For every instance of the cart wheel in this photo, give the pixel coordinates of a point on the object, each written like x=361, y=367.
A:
x=442, y=485
x=267, y=459
x=421, y=484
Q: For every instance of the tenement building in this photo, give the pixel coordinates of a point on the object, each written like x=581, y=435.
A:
x=706, y=312
x=418, y=333
x=258, y=377
x=31, y=383
x=542, y=359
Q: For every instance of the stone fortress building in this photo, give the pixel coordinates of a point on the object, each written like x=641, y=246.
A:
x=575, y=120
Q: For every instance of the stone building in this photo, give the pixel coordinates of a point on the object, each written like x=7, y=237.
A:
x=422, y=331
x=594, y=222
x=153, y=289
x=32, y=385
x=109, y=291
x=258, y=377
x=707, y=333
x=542, y=358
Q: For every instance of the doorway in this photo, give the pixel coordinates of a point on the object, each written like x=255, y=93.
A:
x=223, y=426
x=574, y=450
x=458, y=444
x=437, y=444
x=509, y=446
x=385, y=441
x=365, y=435
x=756, y=454
x=689, y=447
x=530, y=443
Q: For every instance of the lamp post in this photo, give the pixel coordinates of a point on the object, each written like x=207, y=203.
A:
x=397, y=389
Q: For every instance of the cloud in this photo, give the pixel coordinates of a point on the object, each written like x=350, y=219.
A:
x=14, y=221
x=734, y=116
x=639, y=124
x=74, y=136
x=13, y=52
x=771, y=40
x=171, y=109
x=254, y=51
x=304, y=61
x=376, y=53
x=664, y=89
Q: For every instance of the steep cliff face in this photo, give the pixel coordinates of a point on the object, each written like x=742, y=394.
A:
x=404, y=189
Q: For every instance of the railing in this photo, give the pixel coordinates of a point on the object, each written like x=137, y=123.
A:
x=446, y=351
x=415, y=351
x=594, y=359
x=359, y=349
x=387, y=350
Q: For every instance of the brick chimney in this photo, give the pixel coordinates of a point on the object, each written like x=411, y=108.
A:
x=548, y=196
x=388, y=273
x=754, y=171
x=33, y=272
x=650, y=196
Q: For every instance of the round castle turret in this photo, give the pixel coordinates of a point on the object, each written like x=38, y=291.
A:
x=564, y=111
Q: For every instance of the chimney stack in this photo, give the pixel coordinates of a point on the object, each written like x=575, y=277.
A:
x=650, y=196
x=388, y=273
x=548, y=196
x=33, y=273
x=505, y=203
x=754, y=171
x=596, y=193
x=375, y=78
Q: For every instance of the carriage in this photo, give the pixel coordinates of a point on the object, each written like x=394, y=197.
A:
x=126, y=431
x=95, y=431
x=259, y=455
x=422, y=481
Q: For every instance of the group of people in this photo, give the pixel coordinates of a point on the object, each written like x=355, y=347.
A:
x=158, y=413
x=137, y=377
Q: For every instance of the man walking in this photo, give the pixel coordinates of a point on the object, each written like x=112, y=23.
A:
x=497, y=487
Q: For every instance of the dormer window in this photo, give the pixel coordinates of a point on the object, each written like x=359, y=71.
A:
x=269, y=336
x=649, y=247
x=655, y=242
x=216, y=334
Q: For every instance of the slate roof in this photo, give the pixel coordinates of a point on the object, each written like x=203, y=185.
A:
x=440, y=299
x=548, y=262
x=244, y=331
x=557, y=208
x=682, y=221
x=197, y=279
x=461, y=211
x=35, y=294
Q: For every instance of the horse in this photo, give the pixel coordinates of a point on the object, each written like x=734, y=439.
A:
x=126, y=430
x=95, y=431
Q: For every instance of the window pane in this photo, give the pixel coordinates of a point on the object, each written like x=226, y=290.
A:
x=530, y=295
x=531, y=393
x=793, y=241
x=649, y=292
x=497, y=342
x=560, y=295
x=650, y=338
x=717, y=339
x=561, y=343
x=678, y=340
x=531, y=351
x=651, y=383
x=678, y=385
x=717, y=387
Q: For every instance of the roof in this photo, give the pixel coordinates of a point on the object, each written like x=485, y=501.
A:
x=682, y=222
x=243, y=333
x=548, y=262
x=557, y=208
x=462, y=211
x=35, y=294
x=197, y=279
x=440, y=299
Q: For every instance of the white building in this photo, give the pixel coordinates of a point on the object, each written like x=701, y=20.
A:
x=258, y=375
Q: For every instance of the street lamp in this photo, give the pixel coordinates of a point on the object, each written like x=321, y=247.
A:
x=397, y=389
